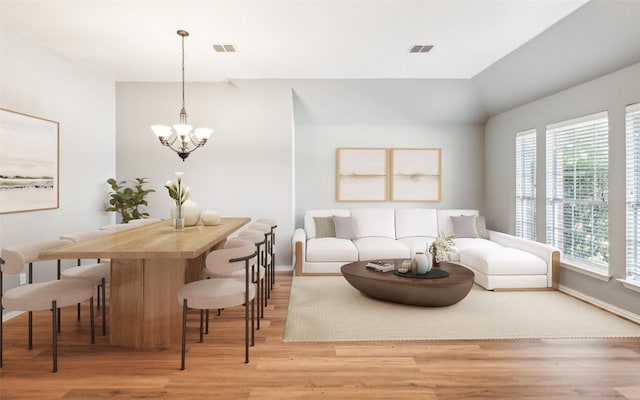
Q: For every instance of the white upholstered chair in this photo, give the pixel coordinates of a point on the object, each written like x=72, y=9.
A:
x=267, y=259
x=271, y=248
x=98, y=273
x=49, y=295
x=259, y=240
x=217, y=293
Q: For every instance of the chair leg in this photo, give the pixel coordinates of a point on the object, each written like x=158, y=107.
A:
x=93, y=322
x=59, y=317
x=201, y=325
x=78, y=312
x=104, y=306
x=54, y=334
x=206, y=325
x=184, y=332
x=30, y=330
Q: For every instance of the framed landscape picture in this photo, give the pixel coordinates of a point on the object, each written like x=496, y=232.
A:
x=361, y=174
x=29, y=162
x=415, y=174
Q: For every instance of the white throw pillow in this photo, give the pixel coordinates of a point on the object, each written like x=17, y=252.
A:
x=464, y=226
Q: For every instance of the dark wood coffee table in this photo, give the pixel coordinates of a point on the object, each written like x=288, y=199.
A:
x=404, y=290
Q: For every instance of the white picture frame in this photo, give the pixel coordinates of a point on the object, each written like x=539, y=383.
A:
x=416, y=174
x=361, y=174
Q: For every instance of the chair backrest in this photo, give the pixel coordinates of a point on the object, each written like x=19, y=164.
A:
x=264, y=228
x=15, y=256
x=79, y=236
x=218, y=260
x=146, y=221
x=267, y=221
x=121, y=227
x=253, y=235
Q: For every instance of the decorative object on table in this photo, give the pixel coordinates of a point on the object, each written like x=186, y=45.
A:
x=210, y=217
x=127, y=197
x=182, y=139
x=404, y=266
x=179, y=195
x=415, y=174
x=441, y=248
x=28, y=162
x=422, y=263
x=190, y=213
x=380, y=266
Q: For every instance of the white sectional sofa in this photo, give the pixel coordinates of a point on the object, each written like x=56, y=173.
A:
x=334, y=237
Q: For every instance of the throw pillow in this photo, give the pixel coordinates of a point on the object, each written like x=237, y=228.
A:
x=344, y=226
x=464, y=226
x=481, y=228
x=324, y=227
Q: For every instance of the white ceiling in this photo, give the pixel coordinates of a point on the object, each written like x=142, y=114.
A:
x=137, y=40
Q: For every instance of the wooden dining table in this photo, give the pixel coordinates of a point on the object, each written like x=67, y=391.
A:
x=148, y=265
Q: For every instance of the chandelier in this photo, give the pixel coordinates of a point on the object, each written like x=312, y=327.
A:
x=182, y=138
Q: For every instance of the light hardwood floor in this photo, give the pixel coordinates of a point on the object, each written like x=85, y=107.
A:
x=493, y=369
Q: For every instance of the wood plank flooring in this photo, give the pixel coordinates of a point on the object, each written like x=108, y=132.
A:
x=493, y=369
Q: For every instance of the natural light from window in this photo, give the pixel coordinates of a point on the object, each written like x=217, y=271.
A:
x=526, y=184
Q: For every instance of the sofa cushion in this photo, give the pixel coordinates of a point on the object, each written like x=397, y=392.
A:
x=331, y=249
x=375, y=248
x=309, y=224
x=444, y=219
x=324, y=227
x=345, y=227
x=503, y=261
x=464, y=226
x=416, y=222
x=372, y=222
x=481, y=227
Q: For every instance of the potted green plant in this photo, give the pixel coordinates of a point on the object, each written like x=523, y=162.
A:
x=127, y=197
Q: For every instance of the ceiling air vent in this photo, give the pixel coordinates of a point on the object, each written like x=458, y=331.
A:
x=224, y=48
x=421, y=48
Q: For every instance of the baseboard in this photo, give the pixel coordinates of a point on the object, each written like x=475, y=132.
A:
x=10, y=314
x=601, y=304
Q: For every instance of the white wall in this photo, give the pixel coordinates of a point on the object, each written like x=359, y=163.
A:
x=462, y=162
x=38, y=81
x=609, y=93
x=245, y=170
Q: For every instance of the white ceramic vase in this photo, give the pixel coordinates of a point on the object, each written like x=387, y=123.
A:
x=422, y=263
x=210, y=217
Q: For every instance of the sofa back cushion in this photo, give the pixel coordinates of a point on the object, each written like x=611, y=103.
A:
x=416, y=222
x=374, y=222
x=444, y=219
x=309, y=223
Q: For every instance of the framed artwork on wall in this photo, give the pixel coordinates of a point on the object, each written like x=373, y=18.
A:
x=415, y=174
x=361, y=174
x=29, y=162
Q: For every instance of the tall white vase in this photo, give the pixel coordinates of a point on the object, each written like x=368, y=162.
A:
x=190, y=213
x=422, y=263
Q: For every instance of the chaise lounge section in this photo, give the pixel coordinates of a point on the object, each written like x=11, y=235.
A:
x=334, y=237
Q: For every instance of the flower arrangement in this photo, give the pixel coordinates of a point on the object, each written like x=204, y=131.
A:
x=442, y=247
x=178, y=193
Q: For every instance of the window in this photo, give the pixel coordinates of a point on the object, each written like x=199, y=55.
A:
x=633, y=191
x=578, y=189
x=526, y=184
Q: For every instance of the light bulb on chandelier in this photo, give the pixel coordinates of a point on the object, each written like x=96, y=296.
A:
x=182, y=138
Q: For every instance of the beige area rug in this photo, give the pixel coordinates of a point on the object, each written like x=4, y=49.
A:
x=328, y=309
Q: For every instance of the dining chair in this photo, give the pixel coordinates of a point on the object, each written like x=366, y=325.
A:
x=98, y=273
x=265, y=229
x=272, y=248
x=259, y=240
x=122, y=227
x=218, y=293
x=49, y=295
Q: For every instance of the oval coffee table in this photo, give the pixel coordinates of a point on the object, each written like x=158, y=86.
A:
x=404, y=290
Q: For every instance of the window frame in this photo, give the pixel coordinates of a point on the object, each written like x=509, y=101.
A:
x=577, y=157
x=632, y=198
x=525, y=183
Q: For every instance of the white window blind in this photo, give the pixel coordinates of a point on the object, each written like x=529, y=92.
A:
x=526, y=184
x=633, y=190
x=578, y=190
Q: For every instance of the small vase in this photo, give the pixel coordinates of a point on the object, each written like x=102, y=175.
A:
x=422, y=263
x=178, y=224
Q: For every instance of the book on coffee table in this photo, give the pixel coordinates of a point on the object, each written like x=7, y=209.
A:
x=380, y=266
